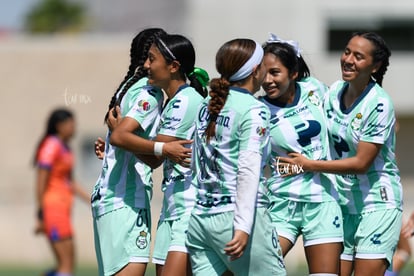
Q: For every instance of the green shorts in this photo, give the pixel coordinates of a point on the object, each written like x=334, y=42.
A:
x=318, y=222
x=171, y=236
x=372, y=235
x=122, y=236
x=208, y=234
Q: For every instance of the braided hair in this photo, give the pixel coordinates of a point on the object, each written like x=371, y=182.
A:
x=229, y=59
x=138, y=55
x=380, y=54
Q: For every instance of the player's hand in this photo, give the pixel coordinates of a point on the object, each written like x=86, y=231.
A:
x=39, y=227
x=407, y=229
x=235, y=247
x=114, y=118
x=291, y=165
x=176, y=152
x=100, y=148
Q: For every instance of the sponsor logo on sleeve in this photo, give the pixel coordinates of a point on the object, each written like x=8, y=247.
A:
x=261, y=131
x=313, y=98
x=143, y=105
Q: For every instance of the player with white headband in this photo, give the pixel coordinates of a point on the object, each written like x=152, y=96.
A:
x=229, y=228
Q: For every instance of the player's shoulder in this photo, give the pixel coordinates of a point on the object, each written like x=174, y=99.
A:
x=380, y=92
x=337, y=85
x=313, y=83
x=51, y=146
x=189, y=92
x=52, y=141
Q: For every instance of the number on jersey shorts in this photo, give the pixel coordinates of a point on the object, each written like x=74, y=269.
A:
x=118, y=244
x=371, y=235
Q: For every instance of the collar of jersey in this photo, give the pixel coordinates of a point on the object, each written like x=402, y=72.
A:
x=357, y=101
x=241, y=90
x=181, y=88
x=275, y=102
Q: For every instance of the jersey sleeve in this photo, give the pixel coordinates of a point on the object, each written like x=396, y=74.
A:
x=248, y=177
x=145, y=107
x=316, y=86
x=48, y=152
x=254, y=129
x=380, y=122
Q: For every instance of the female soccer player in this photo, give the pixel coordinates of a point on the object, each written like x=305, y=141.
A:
x=361, y=121
x=304, y=204
x=170, y=63
x=122, y=193
x=55, y=188
x=228, y=231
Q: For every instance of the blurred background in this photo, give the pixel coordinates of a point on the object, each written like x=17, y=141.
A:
x=74, y=53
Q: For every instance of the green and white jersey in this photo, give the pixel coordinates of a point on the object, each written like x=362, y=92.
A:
x=124, y=179
x=242, y=125
x=370, y=119
x=178, y=120
x=300, y=127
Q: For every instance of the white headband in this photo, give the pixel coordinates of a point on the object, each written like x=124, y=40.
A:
x=247, y=68
x=274, y=39
x=166, y=48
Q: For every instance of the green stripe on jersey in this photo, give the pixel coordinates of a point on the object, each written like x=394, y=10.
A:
x=242, y=125
x=300, y=127
x=370, y=119
x=178, y=120
x=125, y=180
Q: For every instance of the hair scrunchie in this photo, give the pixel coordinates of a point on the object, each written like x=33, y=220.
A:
x=295, y=45
x=201, y=75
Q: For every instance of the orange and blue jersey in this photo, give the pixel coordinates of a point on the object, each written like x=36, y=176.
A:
x=56, y=157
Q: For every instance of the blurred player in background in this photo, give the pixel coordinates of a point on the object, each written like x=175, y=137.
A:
x=55, y=188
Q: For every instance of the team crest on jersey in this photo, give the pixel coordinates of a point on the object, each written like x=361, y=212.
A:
x=313, y=98
x=142, y=240
x=356, y=122
x=143, y=105
x=261, y=131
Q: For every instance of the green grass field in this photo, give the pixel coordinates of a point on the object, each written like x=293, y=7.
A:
x=88, y=270
x=7, y=270
x=82, y=270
